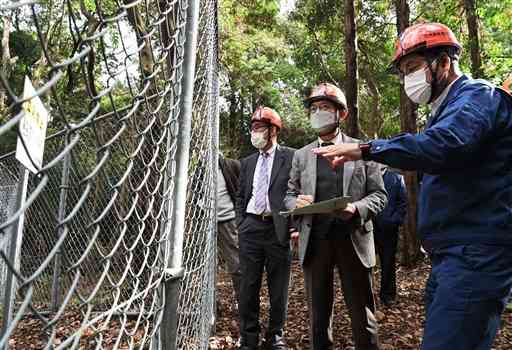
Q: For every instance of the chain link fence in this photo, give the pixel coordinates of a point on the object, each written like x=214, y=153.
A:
x=110, y=244
x=8, y=181
x=196, y=318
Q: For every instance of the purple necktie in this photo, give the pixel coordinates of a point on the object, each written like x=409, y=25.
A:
x=261, y=191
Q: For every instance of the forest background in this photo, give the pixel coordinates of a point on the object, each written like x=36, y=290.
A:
x=272, y=52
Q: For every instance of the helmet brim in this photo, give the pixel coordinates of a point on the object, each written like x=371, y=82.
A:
x=310, y=100
x=421, y=50
x=266, y=121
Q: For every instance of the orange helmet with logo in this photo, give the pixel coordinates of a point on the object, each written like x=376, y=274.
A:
x=507, y=85
x=267, y=115
x=326, y=91
x=424, y=37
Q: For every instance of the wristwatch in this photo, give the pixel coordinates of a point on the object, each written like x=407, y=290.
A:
x=365, y=149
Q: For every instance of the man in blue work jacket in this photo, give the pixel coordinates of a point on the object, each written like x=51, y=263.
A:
x=465, y=201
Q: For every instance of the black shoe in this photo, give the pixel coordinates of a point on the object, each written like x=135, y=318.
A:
x=274, y=342
x=244, y=344
x=388, y=301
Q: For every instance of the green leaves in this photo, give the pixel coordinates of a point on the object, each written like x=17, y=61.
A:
x=257, y=63
x=268, y=59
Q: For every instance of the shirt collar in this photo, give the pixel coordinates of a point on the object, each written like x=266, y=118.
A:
x=336, y=139
x=440, y=99
x=271, y=150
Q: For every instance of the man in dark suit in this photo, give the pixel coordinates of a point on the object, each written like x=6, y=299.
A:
x=387, y=224
x=342, y=240
x=264, y=236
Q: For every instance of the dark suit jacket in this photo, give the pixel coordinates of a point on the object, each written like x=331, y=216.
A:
x=277, y=188
x=230, y=169
x=393, y=214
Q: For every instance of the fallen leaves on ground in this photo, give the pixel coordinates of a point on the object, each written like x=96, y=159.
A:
x=31, y=334
x=400, y=327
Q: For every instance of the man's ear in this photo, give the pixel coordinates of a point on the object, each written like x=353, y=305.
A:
x=343, y=114
x=445, y=61
x=274, y=131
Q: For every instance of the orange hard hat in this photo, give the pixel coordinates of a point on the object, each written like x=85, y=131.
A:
x=267, y=115
x=326, y=91
x=424, y=37
x=507, y=85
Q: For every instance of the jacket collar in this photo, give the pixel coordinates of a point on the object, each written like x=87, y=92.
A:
x=440, y=99
x=454, y=90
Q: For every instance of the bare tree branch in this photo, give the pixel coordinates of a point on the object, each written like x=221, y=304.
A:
x=137, y=23
x=6, y=58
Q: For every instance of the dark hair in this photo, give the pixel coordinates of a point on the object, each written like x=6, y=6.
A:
x=434, y=53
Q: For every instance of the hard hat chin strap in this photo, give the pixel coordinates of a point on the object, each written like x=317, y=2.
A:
x=269, y=134
x=437, y=86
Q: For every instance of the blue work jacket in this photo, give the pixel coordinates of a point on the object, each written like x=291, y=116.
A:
x=465, y=153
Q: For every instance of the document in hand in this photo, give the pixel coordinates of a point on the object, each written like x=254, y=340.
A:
x=324, y=207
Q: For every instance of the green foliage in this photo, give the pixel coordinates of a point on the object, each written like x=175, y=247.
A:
x=316, y=34
x=268, y=59
x=495, y=26
x=27, y=50
x=497, y=39
x=256, y=69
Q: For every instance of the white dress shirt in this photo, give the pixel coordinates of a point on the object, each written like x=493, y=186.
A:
x=251, y=207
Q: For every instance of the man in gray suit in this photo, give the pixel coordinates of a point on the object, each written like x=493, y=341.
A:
x=343, y=239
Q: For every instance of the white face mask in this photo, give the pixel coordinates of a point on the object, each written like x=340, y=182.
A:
x=259, y=139
x=417, y=87
x=323, y=121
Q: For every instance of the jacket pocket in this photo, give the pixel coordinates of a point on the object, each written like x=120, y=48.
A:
x=486, y=258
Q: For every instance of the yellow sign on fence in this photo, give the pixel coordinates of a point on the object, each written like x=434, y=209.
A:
x=32, y=130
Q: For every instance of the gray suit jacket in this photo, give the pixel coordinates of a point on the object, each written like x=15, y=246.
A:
x=361, y=180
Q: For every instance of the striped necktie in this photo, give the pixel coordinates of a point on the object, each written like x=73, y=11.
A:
x=262, y=189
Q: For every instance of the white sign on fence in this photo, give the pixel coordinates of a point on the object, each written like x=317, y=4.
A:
x=32, y=130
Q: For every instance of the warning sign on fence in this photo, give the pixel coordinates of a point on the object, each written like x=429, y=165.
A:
x=32, y=129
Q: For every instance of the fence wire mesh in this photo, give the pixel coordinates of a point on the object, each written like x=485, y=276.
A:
x=197, y=293
x=96, y=235
x=8, y=181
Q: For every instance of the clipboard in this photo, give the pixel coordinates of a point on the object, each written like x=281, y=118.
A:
x=323, y=207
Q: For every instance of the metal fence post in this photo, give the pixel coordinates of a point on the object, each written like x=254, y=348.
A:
x=216, y=138
x=16, y=238
x=60, y=217
x=175, y=268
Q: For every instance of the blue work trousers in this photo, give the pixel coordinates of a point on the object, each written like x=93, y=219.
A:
x=466, y=293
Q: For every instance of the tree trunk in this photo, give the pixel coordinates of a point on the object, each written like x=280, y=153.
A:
x=375, y=118
x=408, y=117
x=146, y=59
x=474, y=43
x=351, y=66
x=5, y=69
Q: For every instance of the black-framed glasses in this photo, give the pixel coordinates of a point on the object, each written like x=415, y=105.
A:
x=324, y=108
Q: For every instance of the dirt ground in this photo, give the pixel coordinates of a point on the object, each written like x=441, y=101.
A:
x=400, y=327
